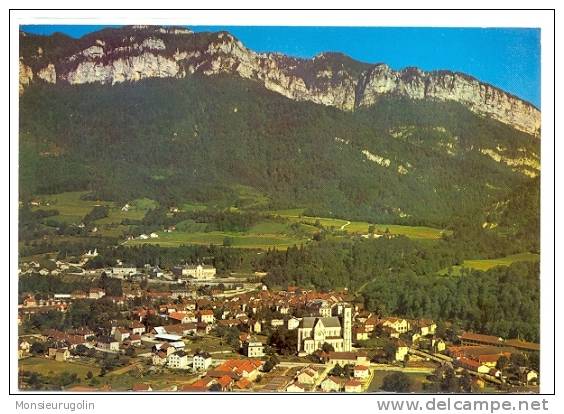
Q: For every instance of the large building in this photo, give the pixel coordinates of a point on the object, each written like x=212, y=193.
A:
x=336, y=330
x=199, y=271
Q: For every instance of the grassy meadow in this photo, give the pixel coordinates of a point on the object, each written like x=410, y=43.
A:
x=487, y=264
x=279, y=228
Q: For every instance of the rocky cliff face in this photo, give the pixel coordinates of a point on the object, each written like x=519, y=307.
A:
x=138, y=52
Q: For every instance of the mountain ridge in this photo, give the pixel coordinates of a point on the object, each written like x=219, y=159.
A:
x=133, y=53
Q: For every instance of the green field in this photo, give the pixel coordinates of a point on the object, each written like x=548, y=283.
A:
x=487, y=264
x=414, y=232
x=50, y=367
x=248, y=197
x=72, y=209
x=417, y=381
x=161, y=380
x=278, y=231
x=242, y=240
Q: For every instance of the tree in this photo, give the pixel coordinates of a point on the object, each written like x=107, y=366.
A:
x=502, y=363
x=450, y=381
x=98, y=212
x=327, y=347
x=144, y=283
x=390, y=350
x=38, y=348
x=270, y=364
x=218, y=313
x=348, y=371
x=35, y=382
x=337, y=371
x=466, y=382
x=81, y=349
x=66, y=378
x=396, y=382
x=284, y=341
x=518, y=359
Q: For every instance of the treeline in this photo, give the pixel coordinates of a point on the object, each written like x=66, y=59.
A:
x=222, y=258
x=97, y=213
x=210, y=219
x=398, y=276
x=43, y=286
x=49, y=284
x=350, y=263
x=503, y=301
x=94, y=314
x=30, y=223
x=34, y=225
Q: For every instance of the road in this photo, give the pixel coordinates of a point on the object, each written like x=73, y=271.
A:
x=443, y=358
x=345, y=225
x=434, y=357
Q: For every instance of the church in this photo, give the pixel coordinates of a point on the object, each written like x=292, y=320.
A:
x=335, y=330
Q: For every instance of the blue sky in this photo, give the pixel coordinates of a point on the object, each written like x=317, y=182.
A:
x=506, y=58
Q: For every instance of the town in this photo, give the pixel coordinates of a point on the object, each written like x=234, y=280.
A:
x=190, y=328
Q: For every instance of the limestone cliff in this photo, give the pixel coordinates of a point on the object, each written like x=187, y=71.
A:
x=138, y=52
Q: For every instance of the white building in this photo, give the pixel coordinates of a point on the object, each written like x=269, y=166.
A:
x=293, y=323
x=254, y=349
x=123, y=271
x=178, y=360
x=201, y=361
x=336, y=331
x=199, y=271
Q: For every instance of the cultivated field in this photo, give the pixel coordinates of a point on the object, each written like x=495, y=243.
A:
x=417, y=381
x=361, y=227
x=242, y=240
x=72, y=209
x=50, y=367
x=487, y=264
x=279, y=231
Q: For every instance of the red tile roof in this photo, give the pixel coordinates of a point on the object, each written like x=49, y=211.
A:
x=141, y=387
x=490, y=339
x=516, y=343
x=225, y=381
x=468, y=363
x=243, y=384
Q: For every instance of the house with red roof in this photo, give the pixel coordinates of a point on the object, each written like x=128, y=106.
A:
x=472, y=365
x=353, y=385
x=201, y=385
x=246, y=368
x=471, y=338
x=332, y=384
x=242, y=385
x=225, y=383
x=181, y=317
x=141, y=387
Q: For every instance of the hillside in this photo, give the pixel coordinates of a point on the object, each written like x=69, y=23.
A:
x=194, y=139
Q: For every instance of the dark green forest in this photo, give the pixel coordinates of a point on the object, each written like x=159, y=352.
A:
x=193, y=139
